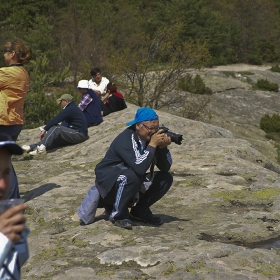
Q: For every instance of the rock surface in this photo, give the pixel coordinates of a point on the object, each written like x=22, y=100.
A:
x=220, y=216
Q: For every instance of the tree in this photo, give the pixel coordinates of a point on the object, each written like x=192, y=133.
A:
x=150, y=68
x=40, y=104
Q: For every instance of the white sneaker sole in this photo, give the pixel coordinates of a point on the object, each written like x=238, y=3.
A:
x=26, y=149
x=35, y=153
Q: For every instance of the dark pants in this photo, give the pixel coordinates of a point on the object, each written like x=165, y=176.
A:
x=58, y=136
x=121, y=196
x=13, y=131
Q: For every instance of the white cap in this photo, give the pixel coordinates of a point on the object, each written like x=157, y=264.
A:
x=83, y=84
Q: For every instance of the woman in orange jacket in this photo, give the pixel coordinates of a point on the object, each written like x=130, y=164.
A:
x=14, y=85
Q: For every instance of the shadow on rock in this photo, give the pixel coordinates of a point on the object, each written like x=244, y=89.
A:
x=165, y=220
x=39, y=191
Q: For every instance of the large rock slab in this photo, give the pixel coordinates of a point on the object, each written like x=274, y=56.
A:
x=223, y=205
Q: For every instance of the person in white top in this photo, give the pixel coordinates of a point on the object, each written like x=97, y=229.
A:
x=98, y=83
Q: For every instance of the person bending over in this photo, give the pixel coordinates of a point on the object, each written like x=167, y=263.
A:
x=122, y=176
x=73, y=128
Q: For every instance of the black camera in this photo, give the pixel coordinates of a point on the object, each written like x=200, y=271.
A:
x=176, y=138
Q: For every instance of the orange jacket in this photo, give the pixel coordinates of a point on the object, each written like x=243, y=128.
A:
x=14, y=85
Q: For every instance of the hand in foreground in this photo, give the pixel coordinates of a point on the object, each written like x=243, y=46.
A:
x=12, y=222
x=160, y=139
x=42, y=134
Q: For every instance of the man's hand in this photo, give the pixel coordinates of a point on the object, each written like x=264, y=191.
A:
x=12, y=222
x=42, y=134
x=97, y=91
x=160, y=139
x=165, y=141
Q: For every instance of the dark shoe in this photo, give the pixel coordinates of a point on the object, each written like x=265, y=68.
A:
x=126, y=223
x=151, y=219
x=106, y=213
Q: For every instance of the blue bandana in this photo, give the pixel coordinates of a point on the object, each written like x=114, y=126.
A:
x=142, y=115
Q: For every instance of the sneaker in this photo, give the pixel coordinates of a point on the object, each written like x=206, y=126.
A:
x=126, y=223
x=151, y=219
x=107, y=213
x=38, y=151
x=26, y=148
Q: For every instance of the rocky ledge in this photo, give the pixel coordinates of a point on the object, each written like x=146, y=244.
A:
x=221, y=216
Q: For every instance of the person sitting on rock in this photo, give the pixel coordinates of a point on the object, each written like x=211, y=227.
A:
x=114, y=100
x=98, y=83
x=122, y=174
x=73, y=129
x=89, y=104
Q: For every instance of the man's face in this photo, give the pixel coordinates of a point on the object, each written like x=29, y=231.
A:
x=5, y=173
x=63, y=103
x=97, y=78
x=81, y=90
x=146, y=129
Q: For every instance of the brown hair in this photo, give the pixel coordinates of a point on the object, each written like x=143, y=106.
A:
x=23, y=52
x=112, y=87
x=94, y=71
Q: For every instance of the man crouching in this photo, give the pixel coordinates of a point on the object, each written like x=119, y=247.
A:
x=122, y=178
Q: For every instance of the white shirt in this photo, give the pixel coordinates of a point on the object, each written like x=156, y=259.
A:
x=12, y=256
x=102, y=87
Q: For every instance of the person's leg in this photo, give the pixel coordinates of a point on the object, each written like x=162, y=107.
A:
x=121, y=195
x=13, y=131
x=58, y=136
x=108, y=207
x=161, y=184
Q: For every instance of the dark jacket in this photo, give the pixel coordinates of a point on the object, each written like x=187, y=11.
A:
x=72, y=117
x=125, y=153
x=115, y=102
x=93, y=110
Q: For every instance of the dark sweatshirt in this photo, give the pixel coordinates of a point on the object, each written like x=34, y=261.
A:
x=125, y=153
x=72, y=117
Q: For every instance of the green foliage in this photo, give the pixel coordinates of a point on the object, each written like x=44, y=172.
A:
x=64, y=30
x=270, y=124
x=275, y=136
x=146, y=83
x=193, y=85
x=254, y=59
x=128, y=40
x=245, y=73
x=264, y=84
x=275, y=68
x=229, y=73
x=40, y=104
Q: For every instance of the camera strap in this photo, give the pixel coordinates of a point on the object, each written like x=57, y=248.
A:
x=152, y=168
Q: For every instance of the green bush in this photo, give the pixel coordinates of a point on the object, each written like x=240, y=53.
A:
x=270, y=124
x=255, y=59
x=193, y=85
x=40, y=104
x=264, y=84
x=275, y=68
